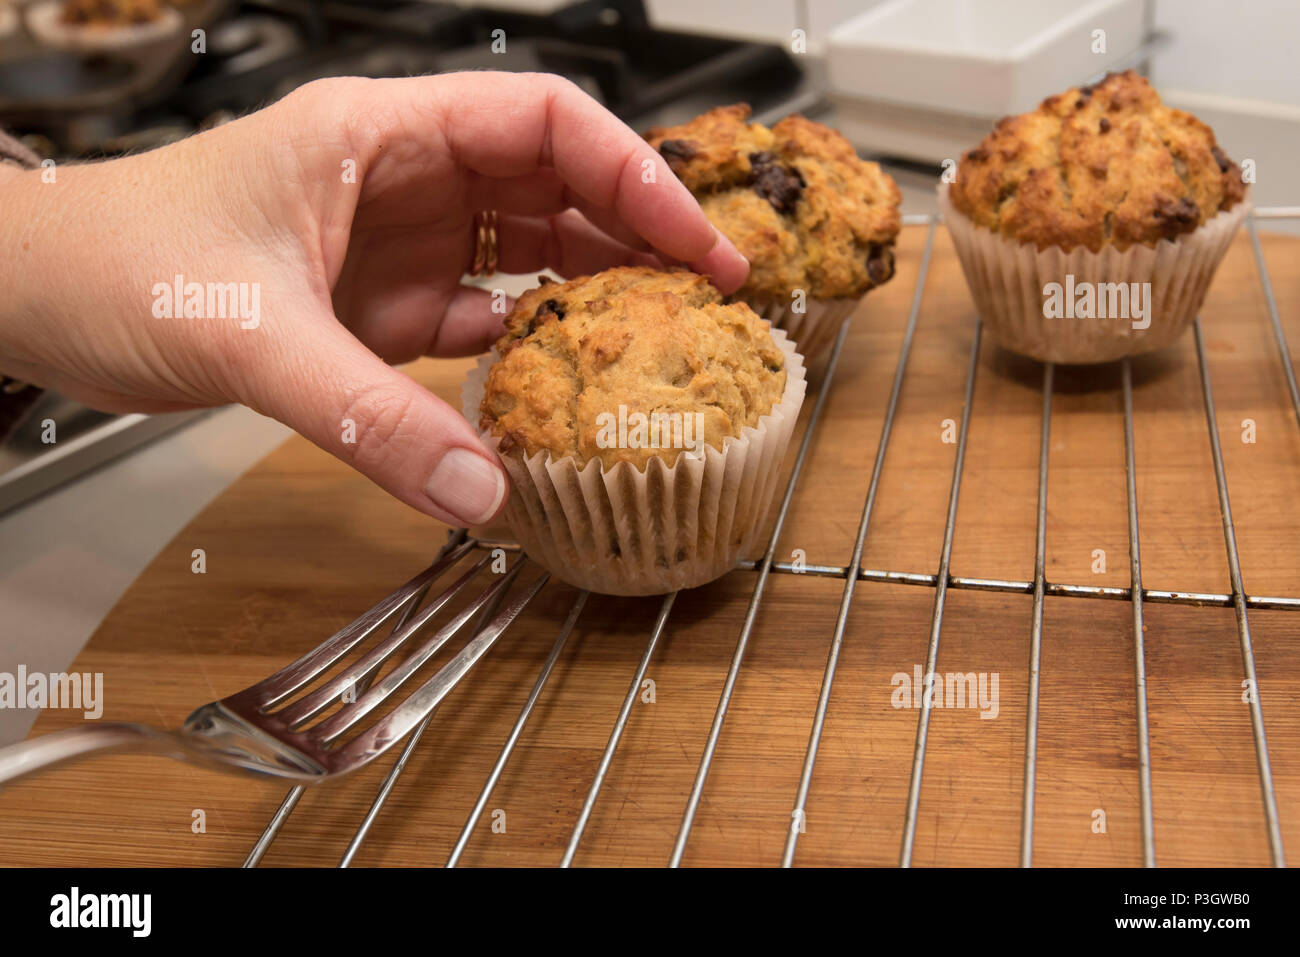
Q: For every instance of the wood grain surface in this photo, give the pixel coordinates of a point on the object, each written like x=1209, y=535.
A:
x=301, y=545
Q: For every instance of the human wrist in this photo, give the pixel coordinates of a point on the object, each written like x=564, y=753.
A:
x=39, y=252
x=16, y=255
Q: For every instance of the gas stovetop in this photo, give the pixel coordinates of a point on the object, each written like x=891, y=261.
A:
x=259, y=50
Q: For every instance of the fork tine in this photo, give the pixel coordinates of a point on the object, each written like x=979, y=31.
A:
x=428, y=696
x=454, y=537
x=312, y=704
x=270, y=691
x=337, y=723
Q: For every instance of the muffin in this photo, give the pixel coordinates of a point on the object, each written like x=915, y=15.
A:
x=110, y=13
x=1090, y=228
x=643, y=421
x=816, y=223
x=95, y=25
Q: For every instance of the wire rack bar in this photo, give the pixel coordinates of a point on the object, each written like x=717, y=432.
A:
x=1036, y=629
x=764, y=568
x=851, y=574
x=273, y=826
x=508, y=748
x=386, y=788
x=1239, y=603
x=1015, y=587
x=1139, y=629
x=940, y=598
x=607, y=758
x=1284, y=351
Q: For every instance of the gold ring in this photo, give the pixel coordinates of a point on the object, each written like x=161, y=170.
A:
x=485, y=243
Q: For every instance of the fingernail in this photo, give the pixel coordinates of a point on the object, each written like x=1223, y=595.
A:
x=467, y=485
x=725, y=264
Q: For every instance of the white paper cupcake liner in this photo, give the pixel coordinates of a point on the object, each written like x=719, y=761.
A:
x=814, y=328
x=627, y=532
x=1007, y=281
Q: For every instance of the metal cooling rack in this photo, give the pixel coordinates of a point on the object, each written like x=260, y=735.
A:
x=941, y=581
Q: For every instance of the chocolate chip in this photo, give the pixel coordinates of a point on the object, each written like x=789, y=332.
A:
x=549, y=308
x=1225, y=164
x=510, y=442
x=678, y=153
x=779, y=185
x=1105, y=125
x=1177, y=216
x=880, y=263
x=978, y=155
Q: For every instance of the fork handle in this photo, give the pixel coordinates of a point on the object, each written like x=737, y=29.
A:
x=23, y=758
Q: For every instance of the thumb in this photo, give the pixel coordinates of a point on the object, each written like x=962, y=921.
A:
x=347, y=400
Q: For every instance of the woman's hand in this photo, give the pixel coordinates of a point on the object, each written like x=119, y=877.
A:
x=328, y=235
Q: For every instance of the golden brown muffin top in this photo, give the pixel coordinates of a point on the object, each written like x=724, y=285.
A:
x=795, y=199
x=1108, y=163
x=654, y=342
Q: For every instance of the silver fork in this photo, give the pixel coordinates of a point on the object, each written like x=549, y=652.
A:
x=265, y=728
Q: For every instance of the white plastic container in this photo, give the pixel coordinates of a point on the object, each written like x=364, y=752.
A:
x=975, y=56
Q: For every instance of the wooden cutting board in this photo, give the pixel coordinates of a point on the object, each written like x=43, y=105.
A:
x=301, y=545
